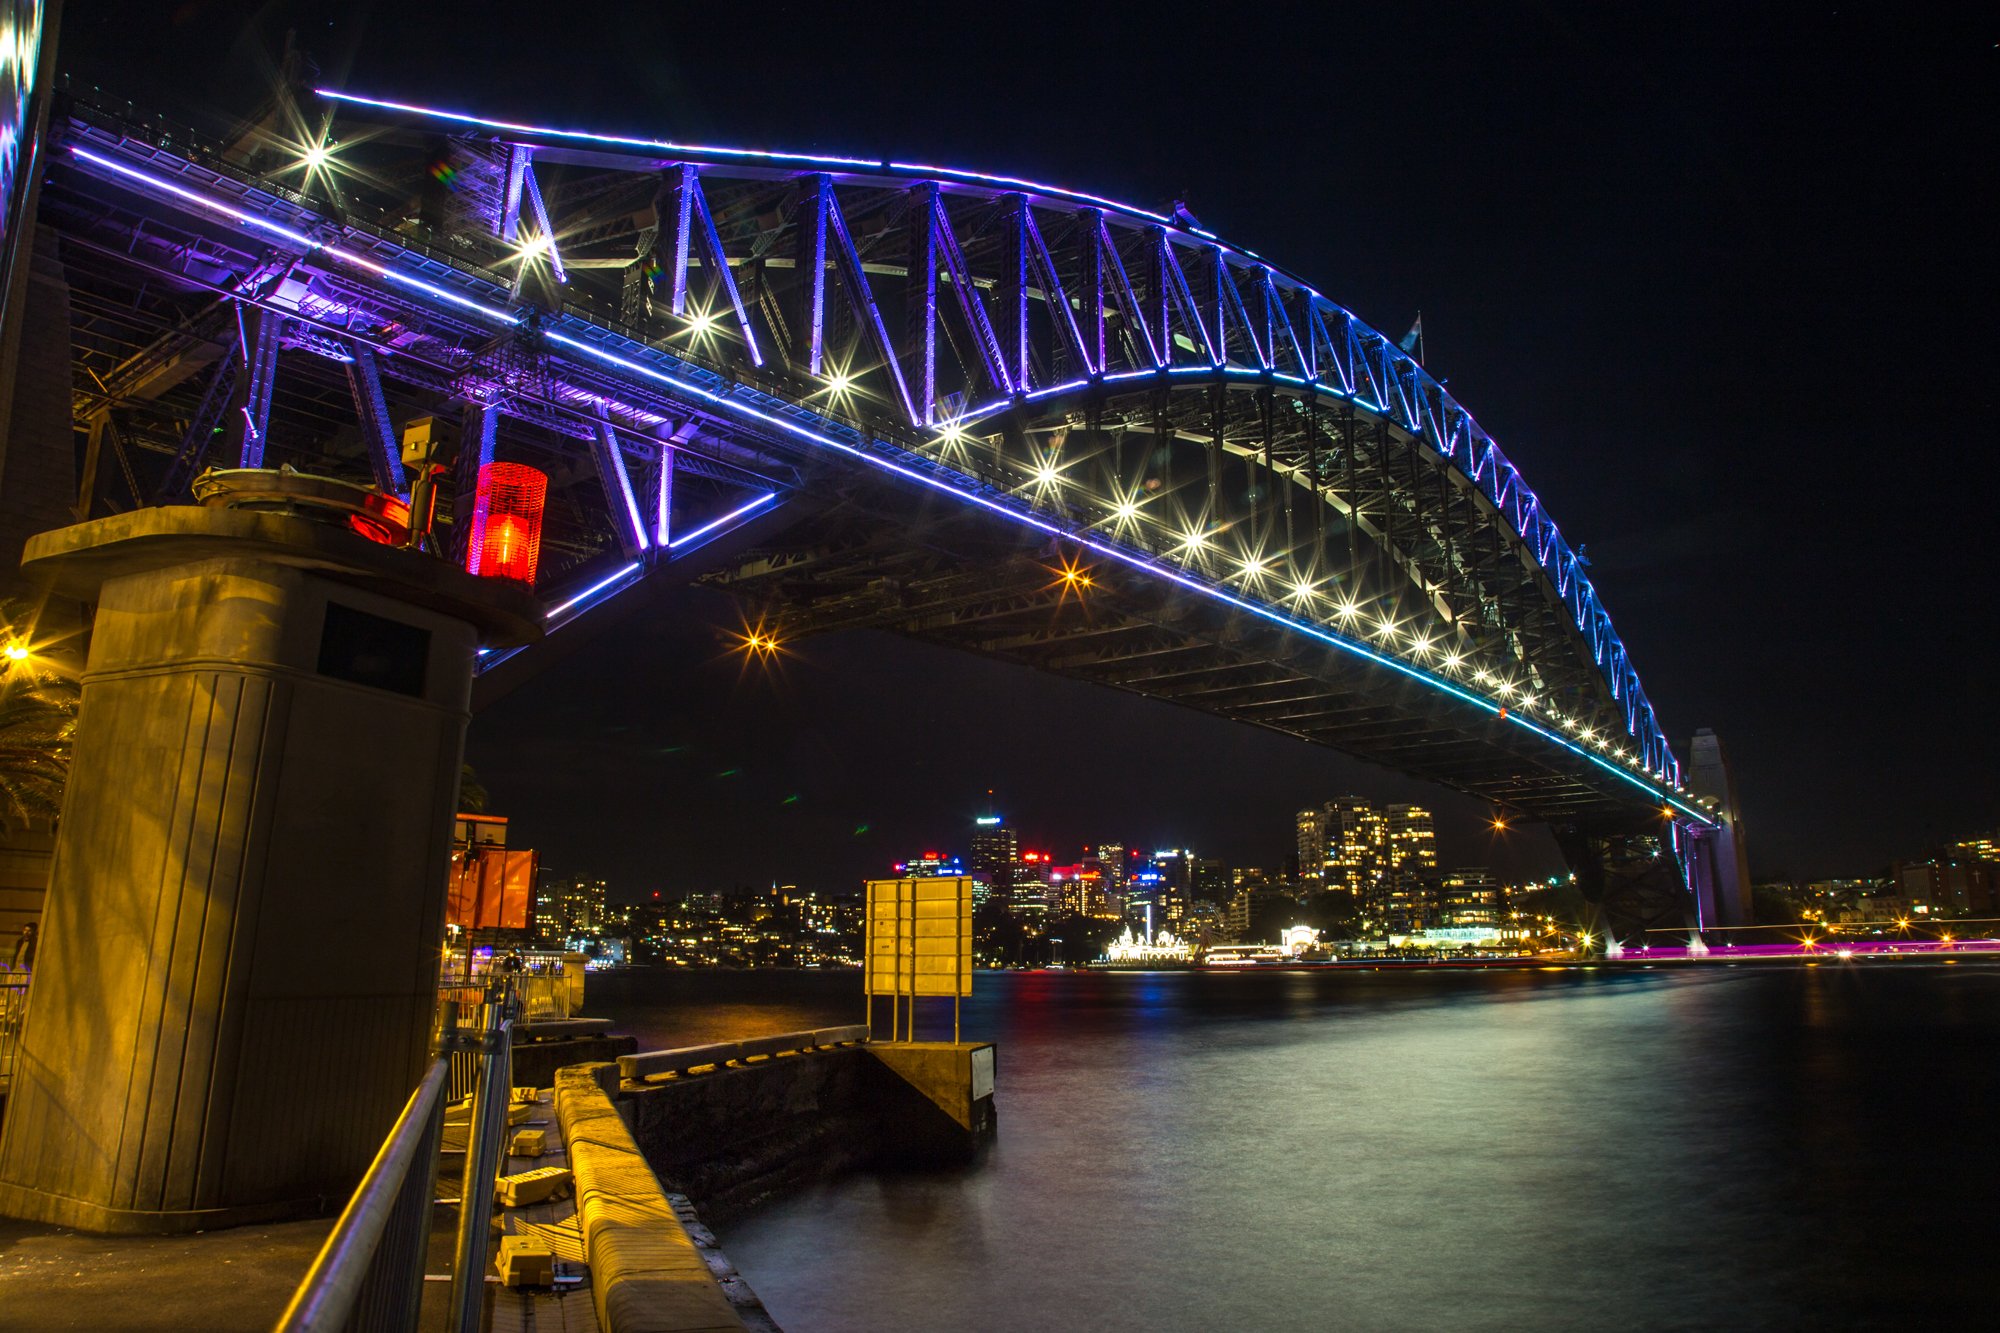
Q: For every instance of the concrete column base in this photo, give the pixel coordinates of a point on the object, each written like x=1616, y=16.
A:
x=240, y=945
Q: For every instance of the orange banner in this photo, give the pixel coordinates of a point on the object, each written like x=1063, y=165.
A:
x=490, y=888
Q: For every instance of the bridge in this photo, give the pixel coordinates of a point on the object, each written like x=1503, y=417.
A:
x=1008, y=417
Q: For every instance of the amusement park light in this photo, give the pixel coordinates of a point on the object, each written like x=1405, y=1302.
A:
x=1348, y=610
x=17, y=652
x=702, y=324
x=1253, y=567
x=1453, y=661
x=1506, y=689
x=1483, y=676
x=1302, y=590
x=1193, y=540
x=534, y=247
x=1126, y=512
x=1047, y=476
x=839, y=383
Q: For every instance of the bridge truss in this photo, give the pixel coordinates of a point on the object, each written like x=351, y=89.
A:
x=1002, y=416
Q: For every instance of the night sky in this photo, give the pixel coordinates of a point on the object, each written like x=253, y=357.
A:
x=1717, y=279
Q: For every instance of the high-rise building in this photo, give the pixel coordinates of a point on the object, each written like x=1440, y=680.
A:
x=1312, y=848
x=995, y=858
x=1470, y=896
x=568, y=909
x=1386, y=858
x=1356, y=843
x=1408, y=887
x=1412, y=838
x=1113, y=872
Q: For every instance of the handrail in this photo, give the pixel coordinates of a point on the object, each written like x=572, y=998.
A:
x=648, y=1064
x=327, y=1297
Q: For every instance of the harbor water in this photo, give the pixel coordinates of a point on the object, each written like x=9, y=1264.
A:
x=1695, y=1147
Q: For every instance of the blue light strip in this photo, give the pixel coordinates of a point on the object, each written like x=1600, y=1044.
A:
x=1144, y=563
x=707, y=528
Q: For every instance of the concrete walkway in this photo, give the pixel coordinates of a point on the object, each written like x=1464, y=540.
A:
x=224, y=1281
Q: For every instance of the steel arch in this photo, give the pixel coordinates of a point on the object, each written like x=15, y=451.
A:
x=619, y=292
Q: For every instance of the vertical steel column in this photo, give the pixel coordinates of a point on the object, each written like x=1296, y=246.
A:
x=680, y=210
x=1093, y=311
x=1159, y=300
x=1353, y=497
x=812, y=265
x=920, y=309
x=1014, y=288
x=478, y=434
x=1218, y=398
x=508, y=225
x=663, y=522
x=249, y=415
x=1387, y=518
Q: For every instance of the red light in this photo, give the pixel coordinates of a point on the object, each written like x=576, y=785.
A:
x=507, y=522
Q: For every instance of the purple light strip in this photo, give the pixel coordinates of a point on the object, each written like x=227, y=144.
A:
x=283, y=232
x=1145, y=564
x=591, y=591
x=750, y=154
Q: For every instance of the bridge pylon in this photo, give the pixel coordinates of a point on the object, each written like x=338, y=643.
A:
x=1718, y=862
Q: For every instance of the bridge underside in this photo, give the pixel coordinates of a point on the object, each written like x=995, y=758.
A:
x=963, y=581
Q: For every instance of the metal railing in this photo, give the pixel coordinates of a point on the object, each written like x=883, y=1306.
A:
x=13, y=1015
x=686, y=1059
x=370, y=1273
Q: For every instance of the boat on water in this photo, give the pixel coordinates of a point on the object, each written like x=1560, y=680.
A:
x=1244, y=955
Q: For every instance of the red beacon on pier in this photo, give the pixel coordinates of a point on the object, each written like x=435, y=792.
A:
x=507, y=522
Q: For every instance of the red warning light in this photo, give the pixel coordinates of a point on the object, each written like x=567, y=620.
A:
x=507, y=522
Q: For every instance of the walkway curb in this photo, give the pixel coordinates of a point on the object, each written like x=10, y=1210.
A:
x=647, y=1276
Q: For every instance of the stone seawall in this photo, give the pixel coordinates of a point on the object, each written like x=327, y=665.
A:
x=737, y=1135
